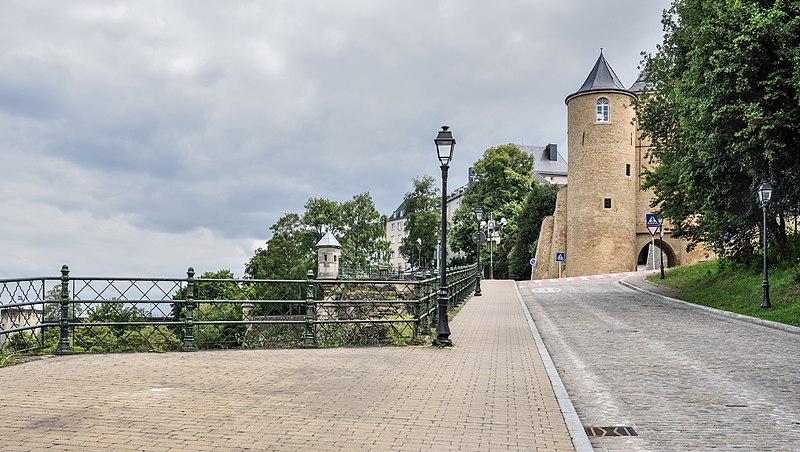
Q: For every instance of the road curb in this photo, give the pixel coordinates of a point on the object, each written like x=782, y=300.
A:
x=580, y=440
x=754, y=320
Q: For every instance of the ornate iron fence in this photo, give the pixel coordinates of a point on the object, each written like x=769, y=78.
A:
x=68, y=314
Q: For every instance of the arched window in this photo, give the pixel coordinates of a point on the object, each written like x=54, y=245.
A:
x=602, y=110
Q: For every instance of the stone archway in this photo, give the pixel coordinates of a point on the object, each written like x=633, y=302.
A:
x=670, y=259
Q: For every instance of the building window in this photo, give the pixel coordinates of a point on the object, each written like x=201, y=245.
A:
x=392, y=239
x=627, y=169
x=334, y=258
x=602, y=110
x=393, y=226
x=400, y=226
x=325, y=257
x=607, y=203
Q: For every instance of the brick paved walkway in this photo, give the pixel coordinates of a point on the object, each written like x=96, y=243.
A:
x=490, y=392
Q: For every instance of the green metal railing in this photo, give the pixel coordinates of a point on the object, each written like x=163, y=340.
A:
x=68, y=314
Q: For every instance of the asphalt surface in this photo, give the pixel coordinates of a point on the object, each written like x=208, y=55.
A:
x=684, y=379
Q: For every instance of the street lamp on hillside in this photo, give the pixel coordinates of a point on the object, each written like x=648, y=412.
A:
x=478, y=242
x=764, y=195
x=445, y=143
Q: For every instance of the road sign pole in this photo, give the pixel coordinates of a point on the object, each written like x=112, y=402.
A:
x=661, y=249
x=559, y=269
x=653, y=238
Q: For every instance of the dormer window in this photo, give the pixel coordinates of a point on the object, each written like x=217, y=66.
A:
x=602, y=110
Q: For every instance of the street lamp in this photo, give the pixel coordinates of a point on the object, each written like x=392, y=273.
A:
x=478, y=216
x=661, y=249
x=445, y=143
x=494, y=238
x=764, y=195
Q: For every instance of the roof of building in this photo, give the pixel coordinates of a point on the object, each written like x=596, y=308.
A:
x=399, y=212
x=542, y=165
x=601, y=78
x=456, y=193
x=328, y=240
x=640, y=85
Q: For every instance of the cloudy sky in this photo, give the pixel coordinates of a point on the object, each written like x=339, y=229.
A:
x=143, y=137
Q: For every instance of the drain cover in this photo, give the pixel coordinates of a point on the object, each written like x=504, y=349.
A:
x=611, y=431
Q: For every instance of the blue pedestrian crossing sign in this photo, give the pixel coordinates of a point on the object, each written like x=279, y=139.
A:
x=651, y=223
x=560, y=256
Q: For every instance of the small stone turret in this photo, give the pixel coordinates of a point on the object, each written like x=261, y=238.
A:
x=328, y=253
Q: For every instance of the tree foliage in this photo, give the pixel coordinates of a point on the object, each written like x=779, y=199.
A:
x=291, y=251
x=539, y=203
x=503, y=178
x=724, y=116
x=423, y=211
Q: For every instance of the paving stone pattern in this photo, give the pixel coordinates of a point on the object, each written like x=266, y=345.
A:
x=489, y=392
x=685, y=379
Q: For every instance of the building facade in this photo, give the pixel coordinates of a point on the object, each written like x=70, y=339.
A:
x=599, y=219
x=395, y=232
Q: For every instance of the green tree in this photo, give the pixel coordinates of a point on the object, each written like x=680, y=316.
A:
x=288, y=254
x=362, y=232
x=503, y=178
x=539, y=203
x=724, y=116
x=291, y=252
x=422, y=207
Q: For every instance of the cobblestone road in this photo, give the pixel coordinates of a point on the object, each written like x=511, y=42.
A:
x=685, y=379
x=489, y=392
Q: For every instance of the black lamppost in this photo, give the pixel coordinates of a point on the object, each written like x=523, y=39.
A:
x=764, y=195
x=661, y=248
x=478, y=216
x=445, y=143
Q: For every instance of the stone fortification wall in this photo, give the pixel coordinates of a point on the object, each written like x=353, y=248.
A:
x=560, y=225
x=600, y=239
x=544, y=249
x=552, y=238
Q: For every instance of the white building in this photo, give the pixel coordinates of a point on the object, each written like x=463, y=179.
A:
x=395, y=232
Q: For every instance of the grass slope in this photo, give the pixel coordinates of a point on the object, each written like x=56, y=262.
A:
x=737, y=289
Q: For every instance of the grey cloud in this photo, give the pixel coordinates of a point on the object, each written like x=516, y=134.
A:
x=182, y=116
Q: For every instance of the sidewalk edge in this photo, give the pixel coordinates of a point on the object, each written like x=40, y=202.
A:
x=580, y=440
x=745, y=318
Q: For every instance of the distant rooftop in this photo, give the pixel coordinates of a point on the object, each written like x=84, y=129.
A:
x=399, y=212
x=639, y=85
x=544, y=163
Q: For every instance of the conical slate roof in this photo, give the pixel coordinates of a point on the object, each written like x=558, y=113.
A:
x=602, y=78
x=329, y=241
x=640, y=85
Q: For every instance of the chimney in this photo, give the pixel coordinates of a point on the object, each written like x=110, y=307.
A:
x=551, y=152
x=470, y=175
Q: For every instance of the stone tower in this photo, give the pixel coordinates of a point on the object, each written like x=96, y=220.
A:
x=328, y=253
x=603, y=179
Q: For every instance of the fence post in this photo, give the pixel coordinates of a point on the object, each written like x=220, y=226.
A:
x=63, y=340
x=418, y=294
x=188, y=337
x=432, y=291
x=309, y=339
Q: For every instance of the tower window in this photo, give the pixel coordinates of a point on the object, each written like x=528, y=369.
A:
x=602, y=110
x=607, y=203
x=627, y=169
